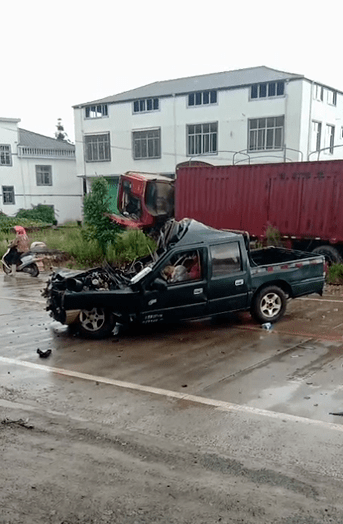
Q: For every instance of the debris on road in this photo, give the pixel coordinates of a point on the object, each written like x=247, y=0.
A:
x=20, y=422
x=44, y=354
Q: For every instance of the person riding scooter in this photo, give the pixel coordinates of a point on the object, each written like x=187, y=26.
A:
x=20, y=257
x=18, y=247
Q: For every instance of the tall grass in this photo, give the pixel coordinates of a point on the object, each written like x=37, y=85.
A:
x=82, y=253
x=335, y=274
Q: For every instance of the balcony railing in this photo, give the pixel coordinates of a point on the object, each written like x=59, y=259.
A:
x=35, y=152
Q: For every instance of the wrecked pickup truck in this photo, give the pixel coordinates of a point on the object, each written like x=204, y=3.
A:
x=196, y=272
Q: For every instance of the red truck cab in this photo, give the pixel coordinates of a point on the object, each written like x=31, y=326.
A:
x=145, y=200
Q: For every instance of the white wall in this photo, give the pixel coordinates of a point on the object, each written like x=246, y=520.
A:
x=65, y=194
x=9, y=175
x=329, y=115
x=232, y=112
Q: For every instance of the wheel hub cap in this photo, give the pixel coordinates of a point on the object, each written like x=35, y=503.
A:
x=92, y=320
x=271, y=305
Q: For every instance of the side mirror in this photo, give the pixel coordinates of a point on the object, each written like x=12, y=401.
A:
x=159, y=284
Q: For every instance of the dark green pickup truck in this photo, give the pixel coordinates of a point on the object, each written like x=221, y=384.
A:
x=196, y=272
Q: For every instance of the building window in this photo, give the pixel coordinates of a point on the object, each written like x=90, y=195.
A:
x=267, y=90
x=330, y=139
x=316, y=135
x=8, y=195
x=266, y=133
x=332, y=97
x=97, y=111
x=202, y=139
x=318, y=92
x=146, y=144
x=202, y=98
x=5, y=155
x=43, y=175
x=98, y=148
x=147, y=104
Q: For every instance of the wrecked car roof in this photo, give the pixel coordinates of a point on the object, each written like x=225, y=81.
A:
x=190, y=231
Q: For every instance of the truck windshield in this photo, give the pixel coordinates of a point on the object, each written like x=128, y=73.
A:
x=159, y=198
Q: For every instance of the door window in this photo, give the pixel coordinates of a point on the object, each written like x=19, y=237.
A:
x=183, y=266
x=226, y=259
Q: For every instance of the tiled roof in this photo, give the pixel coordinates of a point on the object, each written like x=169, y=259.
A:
x=224, y=80
x=34, y=140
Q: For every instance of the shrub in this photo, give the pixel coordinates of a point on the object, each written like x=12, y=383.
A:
x=273, y=236
x=40, y=212
x=334, y=274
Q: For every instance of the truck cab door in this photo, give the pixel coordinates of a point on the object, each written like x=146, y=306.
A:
x=228, y=279
x=178, y=291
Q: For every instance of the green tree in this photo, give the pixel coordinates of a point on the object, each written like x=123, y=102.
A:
x=98, y=226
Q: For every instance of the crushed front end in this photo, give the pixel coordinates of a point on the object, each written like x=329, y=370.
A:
x=63, y=282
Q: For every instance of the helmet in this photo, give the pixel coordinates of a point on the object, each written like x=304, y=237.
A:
x=19, y=230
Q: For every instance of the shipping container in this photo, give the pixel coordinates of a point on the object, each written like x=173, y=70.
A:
x=301, y=200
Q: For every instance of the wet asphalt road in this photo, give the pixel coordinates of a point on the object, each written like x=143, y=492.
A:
x=197, y=423
x=294, y=369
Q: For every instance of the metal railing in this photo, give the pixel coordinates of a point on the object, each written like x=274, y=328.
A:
x=35, y=152
x=330, y=148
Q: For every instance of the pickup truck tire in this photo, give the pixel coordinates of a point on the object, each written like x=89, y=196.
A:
x=269, y=304
x=331, y=254
x=95, y=323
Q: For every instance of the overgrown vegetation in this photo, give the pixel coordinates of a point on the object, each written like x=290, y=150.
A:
x=334, y=274
x=273, y=236
x=79, y=252
x=7, y=223
x=132, y=244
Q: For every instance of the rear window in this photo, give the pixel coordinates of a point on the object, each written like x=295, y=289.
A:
x=226, y=258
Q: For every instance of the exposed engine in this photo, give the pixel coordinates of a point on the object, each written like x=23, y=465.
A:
x=104, y=278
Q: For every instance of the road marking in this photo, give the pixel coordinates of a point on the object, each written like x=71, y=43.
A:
x=320, y=299
x=220, y=405
x=26, y=300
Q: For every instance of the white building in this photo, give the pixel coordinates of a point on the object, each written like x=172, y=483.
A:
x=35, y=169
x=249, y=115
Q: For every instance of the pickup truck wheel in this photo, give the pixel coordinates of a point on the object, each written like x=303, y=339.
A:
x=96, y=323
x=269, y=304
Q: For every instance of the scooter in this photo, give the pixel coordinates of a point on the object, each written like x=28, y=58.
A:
x=27, y=262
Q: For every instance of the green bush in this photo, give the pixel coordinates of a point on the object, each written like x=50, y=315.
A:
x=40, y=212
x=334, y=274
